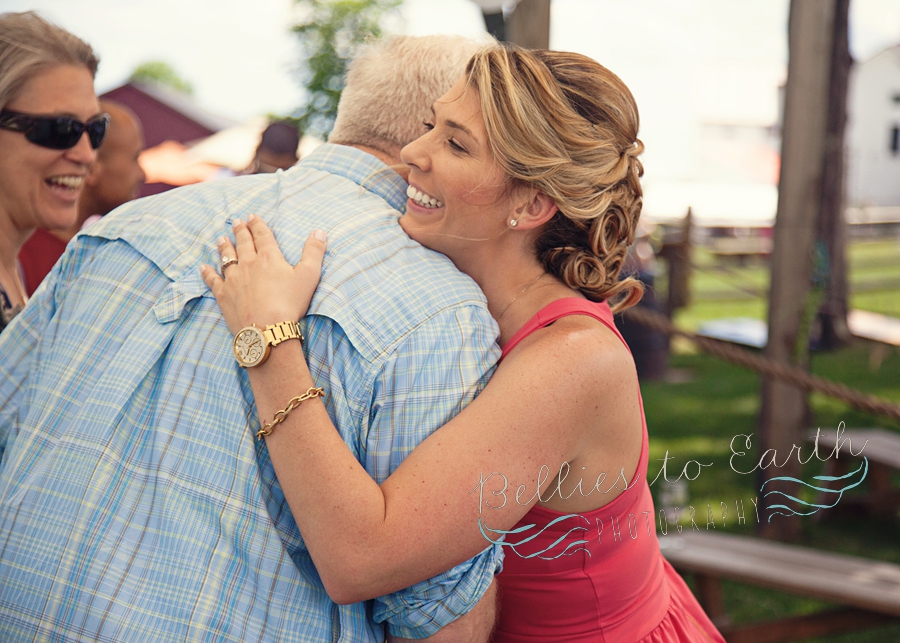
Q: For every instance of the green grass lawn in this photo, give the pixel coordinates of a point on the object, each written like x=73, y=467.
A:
x=725, y=289
x=697, y=419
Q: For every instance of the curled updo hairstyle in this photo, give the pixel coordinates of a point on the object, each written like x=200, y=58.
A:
x=29, y=45
x=563, y=124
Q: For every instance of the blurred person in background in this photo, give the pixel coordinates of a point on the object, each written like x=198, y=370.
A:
x=114, y=179
x=50, y=128
x=277, y=150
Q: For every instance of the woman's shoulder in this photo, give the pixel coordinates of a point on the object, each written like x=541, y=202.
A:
x=579, y=382
x=580, y=345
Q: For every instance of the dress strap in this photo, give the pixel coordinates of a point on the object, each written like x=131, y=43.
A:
x=563, y=308
x=602, y=313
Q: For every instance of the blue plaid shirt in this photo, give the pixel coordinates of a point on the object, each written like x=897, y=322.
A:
x=135, y=504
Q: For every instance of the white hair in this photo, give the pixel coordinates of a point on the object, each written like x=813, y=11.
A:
x=391, y=86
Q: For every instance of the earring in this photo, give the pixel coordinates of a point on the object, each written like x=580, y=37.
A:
x=513, y=223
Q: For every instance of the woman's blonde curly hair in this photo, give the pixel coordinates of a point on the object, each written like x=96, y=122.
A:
x=563, y=124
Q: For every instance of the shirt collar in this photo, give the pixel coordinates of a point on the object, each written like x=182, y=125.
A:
x=362, y=168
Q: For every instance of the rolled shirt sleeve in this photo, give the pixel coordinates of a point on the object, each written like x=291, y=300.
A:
x=423, y=609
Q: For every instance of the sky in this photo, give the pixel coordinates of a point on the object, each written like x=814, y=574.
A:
x=724, y=58
x=688, y=62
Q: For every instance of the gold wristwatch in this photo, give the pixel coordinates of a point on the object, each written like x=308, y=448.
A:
x=251, y=345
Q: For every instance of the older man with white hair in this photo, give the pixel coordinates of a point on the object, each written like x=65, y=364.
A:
x=135, y=502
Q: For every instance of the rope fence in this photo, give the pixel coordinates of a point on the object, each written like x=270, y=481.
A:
x=761, y=364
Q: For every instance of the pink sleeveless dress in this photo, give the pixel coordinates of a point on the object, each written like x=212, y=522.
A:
x=613, y=586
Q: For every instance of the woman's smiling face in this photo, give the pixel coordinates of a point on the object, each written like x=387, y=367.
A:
x=459, y=195
x=39, y=187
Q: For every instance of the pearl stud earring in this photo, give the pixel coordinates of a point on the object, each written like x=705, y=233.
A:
x=513, y=223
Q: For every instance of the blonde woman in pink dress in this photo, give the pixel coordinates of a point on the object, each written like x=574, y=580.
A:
x=527, y=178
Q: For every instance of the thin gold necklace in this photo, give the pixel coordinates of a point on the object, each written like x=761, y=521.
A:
x=15, y=281
x=521, y=292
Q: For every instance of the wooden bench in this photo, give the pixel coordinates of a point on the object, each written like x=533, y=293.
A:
x=740, y=246
x=867, y=590
x=881, y=330
x=745, y=331
x=882, y=449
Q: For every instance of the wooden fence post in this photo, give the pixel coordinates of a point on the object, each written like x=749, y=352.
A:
x=529, y=24
x=784, y=412
x=832, y=232
x=678, y=257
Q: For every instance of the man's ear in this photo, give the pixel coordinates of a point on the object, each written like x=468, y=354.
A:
x=536, y=211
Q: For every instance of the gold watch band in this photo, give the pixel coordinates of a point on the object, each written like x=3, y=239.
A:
x=283, y=331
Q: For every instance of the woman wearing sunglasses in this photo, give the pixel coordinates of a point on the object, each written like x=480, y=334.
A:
x=50, y=128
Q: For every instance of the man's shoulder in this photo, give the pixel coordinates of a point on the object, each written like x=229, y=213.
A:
x=177, y=229
x=388, y=288
x=377, y=284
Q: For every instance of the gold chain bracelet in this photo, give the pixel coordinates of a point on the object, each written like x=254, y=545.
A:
x=293, y=404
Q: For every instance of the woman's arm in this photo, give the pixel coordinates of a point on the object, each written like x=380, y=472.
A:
x=368, y=540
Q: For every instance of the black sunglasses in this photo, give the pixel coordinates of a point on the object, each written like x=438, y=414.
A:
x=55, y=132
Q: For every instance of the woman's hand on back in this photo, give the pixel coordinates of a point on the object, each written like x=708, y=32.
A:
x=262, y=287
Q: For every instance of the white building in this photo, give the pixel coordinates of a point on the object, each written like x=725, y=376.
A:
x=873, y=131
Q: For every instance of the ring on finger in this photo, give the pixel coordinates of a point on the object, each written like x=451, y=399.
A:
x=227, y=261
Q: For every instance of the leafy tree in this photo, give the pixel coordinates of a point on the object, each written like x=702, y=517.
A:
x=162, y=73
x=329, y=36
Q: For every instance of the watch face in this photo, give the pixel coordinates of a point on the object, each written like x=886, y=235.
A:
x=250, y=346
